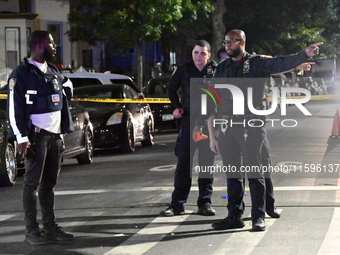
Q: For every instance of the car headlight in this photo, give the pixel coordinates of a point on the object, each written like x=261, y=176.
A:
x=115, y=119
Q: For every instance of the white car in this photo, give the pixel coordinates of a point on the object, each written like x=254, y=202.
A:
x=86, y=79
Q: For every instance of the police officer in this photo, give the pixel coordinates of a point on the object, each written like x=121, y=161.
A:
x=241, y=144
x=38, y=115
x=185, y=145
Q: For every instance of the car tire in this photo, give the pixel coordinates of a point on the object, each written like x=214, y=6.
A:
x=87, y=156
x=128, y=144
x=9, y=167
x=148, y=134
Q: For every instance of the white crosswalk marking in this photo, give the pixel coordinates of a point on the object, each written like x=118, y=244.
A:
x=245, y=239
x=6, y=217
x=157, y=235
x=331, y=244
x=149, y=236
x=193, y=188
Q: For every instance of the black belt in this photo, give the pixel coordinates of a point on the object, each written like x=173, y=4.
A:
x=244, y=117
x=40, y=131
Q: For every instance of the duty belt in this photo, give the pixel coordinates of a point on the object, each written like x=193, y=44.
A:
x=243, y=117
x=245, y=121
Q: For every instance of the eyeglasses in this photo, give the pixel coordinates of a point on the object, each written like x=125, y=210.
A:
x=225, y=42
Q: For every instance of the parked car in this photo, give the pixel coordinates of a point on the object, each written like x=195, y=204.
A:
x=8, y=163
x=117, y=125
x=86, y=79
x=78, y=144
x=162, y=112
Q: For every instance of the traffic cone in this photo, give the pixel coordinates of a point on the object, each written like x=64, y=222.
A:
x=336, y=126
x=198, y=137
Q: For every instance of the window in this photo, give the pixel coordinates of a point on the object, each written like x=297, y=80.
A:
x=55, y=31
x=134, y=94
x=25, y=6
x=28, y=33
x=80, y=82
x=12, y=47
x=87, y=56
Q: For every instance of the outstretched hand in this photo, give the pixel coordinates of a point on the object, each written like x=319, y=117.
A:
x=313, y=49
x=305, y=66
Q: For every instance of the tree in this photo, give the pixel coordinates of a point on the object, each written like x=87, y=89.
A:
x=129, y=23
x=280, y=27
x=219, y=28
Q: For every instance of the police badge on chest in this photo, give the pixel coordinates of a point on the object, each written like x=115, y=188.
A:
x=55, y=84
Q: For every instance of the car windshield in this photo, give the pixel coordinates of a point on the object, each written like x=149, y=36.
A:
x=100, y=94
x=81, y=82
x=157, y=91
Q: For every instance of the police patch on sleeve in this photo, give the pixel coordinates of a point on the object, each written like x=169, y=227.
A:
x=12, y=83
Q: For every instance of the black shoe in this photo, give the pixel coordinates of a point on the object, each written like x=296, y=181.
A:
x=274, y=213
x=228, y=223
x=259, y=225
x=56, y=234
x=172, y=211
x=206, y=210
x=34, y=238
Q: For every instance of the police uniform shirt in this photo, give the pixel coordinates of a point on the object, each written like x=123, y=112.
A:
x=49, y=121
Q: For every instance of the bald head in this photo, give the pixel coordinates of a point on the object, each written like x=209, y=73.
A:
x=235, y=44
x=239, y=33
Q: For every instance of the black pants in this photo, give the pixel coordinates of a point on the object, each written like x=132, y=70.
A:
x=266, y=161
x=238, y=155
x=42, y=165
x=185, y=151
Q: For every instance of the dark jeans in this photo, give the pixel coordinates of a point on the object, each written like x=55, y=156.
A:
x=185, y=151
x=236, y=151
x=266, y=161
x=42, y=165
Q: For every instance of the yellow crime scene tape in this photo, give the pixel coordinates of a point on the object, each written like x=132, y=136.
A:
x=316, y=97
x=166, y=100
x=107, y=100
x=130, y=100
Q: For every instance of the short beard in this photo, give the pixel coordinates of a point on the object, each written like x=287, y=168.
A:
x=235, y=53
x=49, y=57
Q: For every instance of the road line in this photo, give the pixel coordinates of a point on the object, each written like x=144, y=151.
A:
x=331, y=244
x=170, y=188
x=149, y=236
x=80, y=192
x=276, y=188
x=248, y=240
x=6, y=217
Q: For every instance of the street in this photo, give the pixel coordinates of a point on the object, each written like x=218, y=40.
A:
x=112, y=205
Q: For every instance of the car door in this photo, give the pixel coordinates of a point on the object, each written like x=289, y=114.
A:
x=74, y=140
x=136, y=109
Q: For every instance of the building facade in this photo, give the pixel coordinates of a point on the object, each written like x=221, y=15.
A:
x=18, y=18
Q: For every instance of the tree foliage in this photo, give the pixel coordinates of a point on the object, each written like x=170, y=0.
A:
x=127, y=22
x=282, y=27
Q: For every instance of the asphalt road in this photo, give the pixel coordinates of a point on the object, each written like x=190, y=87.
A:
x=112, y=205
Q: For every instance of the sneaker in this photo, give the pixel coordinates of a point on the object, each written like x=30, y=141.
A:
x=273, y=213
x=259, y=225
x=228, y=223
x=206, y=210
x=34, y=238
x=172, y=211
x=56, y=234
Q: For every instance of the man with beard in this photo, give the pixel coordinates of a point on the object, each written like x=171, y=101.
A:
x=38, y=114
x=242, y=140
